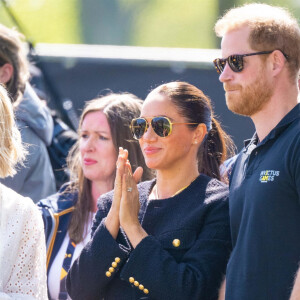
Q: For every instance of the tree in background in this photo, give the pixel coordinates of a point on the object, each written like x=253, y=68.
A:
x=45, y=21
x=155, y=23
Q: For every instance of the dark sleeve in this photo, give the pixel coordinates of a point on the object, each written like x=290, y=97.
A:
x=87, y=277
x=197, y=275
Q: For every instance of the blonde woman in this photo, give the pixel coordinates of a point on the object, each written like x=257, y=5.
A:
x=22, y=246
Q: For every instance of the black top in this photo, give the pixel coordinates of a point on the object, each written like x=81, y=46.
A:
x=265, y=215
x=191, y=269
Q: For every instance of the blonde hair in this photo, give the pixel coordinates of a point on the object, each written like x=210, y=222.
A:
x=272, y=28
x=11, y=148
x=12, y=51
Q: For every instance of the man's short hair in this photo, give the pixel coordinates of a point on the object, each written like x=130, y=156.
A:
x=272, y=28
x=12, y=51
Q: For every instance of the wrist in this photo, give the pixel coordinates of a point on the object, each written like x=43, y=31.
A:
x=135, y=233
x=112, y=224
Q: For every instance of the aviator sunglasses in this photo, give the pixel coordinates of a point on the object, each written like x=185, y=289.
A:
x=236, y=62
x=162, y=126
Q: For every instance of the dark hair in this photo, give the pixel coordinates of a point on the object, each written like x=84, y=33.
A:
x=12, y=51
x=196, y=107
x=119, y=110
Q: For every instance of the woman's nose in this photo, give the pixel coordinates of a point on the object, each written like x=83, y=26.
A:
x=90, y=144
x=149, y=134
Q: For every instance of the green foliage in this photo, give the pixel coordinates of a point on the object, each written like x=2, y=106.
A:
x=47, y=21
x=175, y=23
x=156, y=23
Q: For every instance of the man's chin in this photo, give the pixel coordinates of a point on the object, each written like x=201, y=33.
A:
x=237, y=109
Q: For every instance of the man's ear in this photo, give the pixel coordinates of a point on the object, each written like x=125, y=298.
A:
x=199, y=133
x=6, y=73
x=278, y=61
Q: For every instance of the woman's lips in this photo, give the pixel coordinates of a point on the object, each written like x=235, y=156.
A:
x=88, y=161
x=151, y=150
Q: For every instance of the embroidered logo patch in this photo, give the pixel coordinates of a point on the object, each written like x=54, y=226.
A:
x=268, y=175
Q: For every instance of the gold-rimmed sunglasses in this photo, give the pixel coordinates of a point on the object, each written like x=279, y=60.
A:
x=162, y=126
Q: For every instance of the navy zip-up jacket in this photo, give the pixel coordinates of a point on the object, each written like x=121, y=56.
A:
x=56, y=212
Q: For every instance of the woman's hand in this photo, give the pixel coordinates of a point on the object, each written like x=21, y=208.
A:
x=130, y=206
x=112, y=221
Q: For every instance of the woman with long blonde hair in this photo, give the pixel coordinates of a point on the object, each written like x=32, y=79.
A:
x=22, y=247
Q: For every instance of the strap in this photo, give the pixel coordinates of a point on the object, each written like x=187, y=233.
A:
x=63, y=294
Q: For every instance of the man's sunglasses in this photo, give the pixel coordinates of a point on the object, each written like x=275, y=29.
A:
x=162, y=126
x=236, y=62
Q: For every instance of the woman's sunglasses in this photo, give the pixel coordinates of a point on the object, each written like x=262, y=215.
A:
x=162, y=126
x=236, y=62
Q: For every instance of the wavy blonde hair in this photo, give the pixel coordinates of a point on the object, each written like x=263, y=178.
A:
x=12, y=150
x=272, y=28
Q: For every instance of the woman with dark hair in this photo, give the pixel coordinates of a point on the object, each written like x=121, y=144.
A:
x=104, y=127
x=168, y=238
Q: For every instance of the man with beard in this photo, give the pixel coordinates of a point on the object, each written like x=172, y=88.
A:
x=259, y=71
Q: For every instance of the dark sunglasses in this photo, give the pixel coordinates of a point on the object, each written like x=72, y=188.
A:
x=162, y=126
x=236, y=62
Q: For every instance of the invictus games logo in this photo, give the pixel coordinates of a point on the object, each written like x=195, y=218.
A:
x=268, y=175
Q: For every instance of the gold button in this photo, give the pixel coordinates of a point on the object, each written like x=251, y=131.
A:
x=141, y=287
x=136, y=283
x=131, y=279
x=117, y=260
x=111, y=269
x=108, y=274
x=114, y=264
x=176, y=243
x=146, y=291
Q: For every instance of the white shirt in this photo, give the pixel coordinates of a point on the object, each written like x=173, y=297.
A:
x=22, y=248
x=55, y=270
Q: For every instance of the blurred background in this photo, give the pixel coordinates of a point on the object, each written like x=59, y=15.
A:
x=88, y=47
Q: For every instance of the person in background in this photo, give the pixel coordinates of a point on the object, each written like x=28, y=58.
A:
x=168, y=238
x=64, y=137
x=104, y=127
x=259, y=70
x=22, y=246
x=35, y=177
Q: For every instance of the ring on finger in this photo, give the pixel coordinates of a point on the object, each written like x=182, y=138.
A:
x=129, y=189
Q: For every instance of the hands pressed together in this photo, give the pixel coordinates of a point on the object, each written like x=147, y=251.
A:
x=126, y=205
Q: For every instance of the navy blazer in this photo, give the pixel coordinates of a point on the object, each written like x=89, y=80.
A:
x=184, y=256
x=56, y=212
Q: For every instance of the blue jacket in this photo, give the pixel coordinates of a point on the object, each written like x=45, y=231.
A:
x=183, y=257
x=56, y=211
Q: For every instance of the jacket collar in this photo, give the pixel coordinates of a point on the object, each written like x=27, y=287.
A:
x=290, y=117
